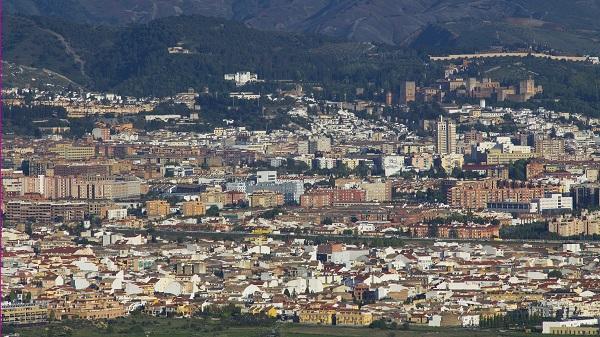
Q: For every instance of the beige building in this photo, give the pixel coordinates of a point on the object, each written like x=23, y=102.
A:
x=377, y=191
x=450, y=161
x=550, y=148
x=24, y=314
x=193, y=208
x=446, y=136
x=157, y=208
x=568, y=225
x=71, y=152
x=422, y=161
x=266, y=199
x=496, y=156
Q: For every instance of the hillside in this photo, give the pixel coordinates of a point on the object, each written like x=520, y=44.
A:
x=135, y=59
x=570, y=26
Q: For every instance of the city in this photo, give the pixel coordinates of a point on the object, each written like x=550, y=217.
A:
x=461, y=199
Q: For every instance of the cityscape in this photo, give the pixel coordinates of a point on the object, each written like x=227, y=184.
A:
x=313, y=185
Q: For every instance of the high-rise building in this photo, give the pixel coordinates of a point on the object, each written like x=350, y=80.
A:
x=527, y=87
x=446, y=136
x=408, y=92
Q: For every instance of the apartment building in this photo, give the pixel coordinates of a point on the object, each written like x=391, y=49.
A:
x=193, y=208
x=24, y=314
x=567, y=225
x=328, y=197
x=45, y=211
x=445, y=136
x=266, y=199
x=157, y=208
x=476, y=194
x=72, y=152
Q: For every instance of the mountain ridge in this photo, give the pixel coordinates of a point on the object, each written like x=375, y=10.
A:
x=395, y=22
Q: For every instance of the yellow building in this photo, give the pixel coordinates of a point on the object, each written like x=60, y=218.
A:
x=353, y=318
x=317, y=316
x=87, y=305
x=262, y=230
x=157, y=208
x=193, y=208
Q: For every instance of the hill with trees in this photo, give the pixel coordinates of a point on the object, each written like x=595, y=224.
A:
x=570, y=26
x=135, y=59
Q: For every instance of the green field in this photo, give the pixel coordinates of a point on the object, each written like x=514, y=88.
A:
x=174, y=327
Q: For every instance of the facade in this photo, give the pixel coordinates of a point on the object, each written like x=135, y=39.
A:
x=550, y=148
x=266, y=199
x=45, y=211
x=157, y=208
x=353, y=318
x=87, y=305
x=291, y=190
x=329, y=197
x=497, y=156
x=377, y=191
x=72, y=152
x=266, y=176
x=477, y=194
x=585, y=195
x=588, y=224
x=193, y=208
x=445, y=136
x=24, y=314
x=408, y=92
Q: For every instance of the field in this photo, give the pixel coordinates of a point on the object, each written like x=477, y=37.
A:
x=155, y=327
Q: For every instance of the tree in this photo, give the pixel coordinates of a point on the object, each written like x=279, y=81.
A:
x=212, y=211
x=518, y=170
x=362, y=170
x=555, y=274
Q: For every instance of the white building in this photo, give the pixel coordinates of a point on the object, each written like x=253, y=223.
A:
x=554, y=327
x=554, y=201
x=266, y=176
x=242, y=78
x=116, y=214
x=393, y=165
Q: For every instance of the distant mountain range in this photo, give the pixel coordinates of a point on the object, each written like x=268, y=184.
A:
x=571, y=25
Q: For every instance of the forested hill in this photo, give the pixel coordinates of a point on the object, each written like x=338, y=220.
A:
x=567, y=25
x=135, y=59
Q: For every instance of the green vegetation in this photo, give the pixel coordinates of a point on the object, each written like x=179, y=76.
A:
x=532, y=231
x=135, y=59
x=568, y=86
x=27, y=120
x=518, y=170
x=515, y=318
x=139, y=326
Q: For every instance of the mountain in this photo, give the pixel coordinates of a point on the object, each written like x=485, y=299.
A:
x=566, y=25
x=138, y=59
